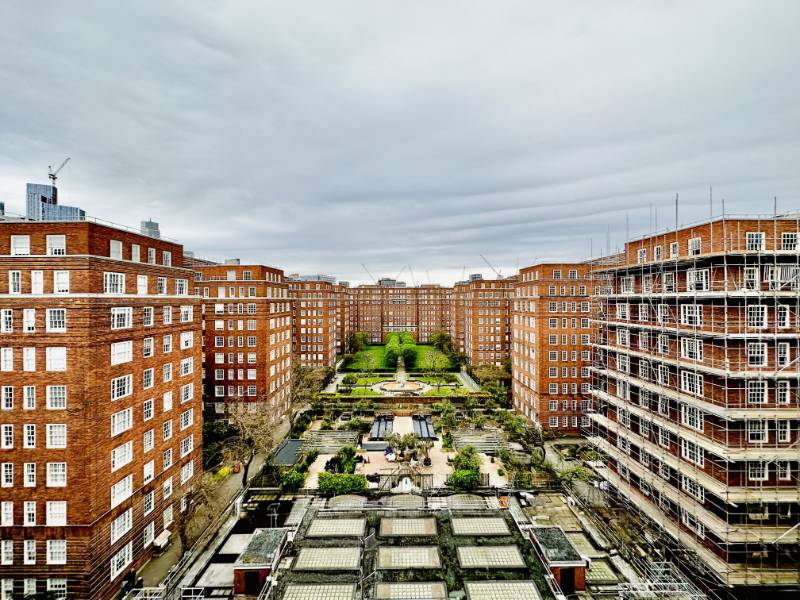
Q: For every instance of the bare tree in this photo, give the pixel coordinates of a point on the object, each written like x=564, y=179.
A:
x=256, y=424
x=197, y=502
x=434, y=363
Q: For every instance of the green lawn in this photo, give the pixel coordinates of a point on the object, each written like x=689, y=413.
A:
x=447, y=391
x=422, y=352
x=364, y=392
x=378, y=352
x=372, y=380
x=429, y=380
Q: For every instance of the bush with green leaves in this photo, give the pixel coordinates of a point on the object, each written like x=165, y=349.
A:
x=358, y=425
x=467, y=459
x=349, y=379
x=464, y=480
x=292, y=480
x=333, y=484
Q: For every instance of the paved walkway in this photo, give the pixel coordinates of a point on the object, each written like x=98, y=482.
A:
x=468, y=381
x=154, y=571
x=401, y=370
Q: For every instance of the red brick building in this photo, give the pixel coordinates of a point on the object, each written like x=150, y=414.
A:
x=247, y=324
x=551, y=352
x=316, y=323
x=482, y=319
x=100, y=414
x=695, y=393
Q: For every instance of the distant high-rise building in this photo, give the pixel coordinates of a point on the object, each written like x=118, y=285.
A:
x=42, y=205
x=311, y=277
x=151, y=228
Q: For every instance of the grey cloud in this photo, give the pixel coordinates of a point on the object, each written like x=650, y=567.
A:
x=319, y=135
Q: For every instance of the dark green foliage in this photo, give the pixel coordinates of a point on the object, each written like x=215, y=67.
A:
x=464, y=480
x=358, y=425
x=409, y=356
x=467, y=459
x=350, y=379
x=292, y=480
x=341, y=483
x=300, y=424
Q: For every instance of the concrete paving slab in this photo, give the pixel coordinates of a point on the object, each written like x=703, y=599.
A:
x=332, y=528
x=217, y=575
x=424, y=527
x=408, y=557
x=501, y=590
x=320, y=591
x=423, y=590
x=236, y=543
x=480, y=526
x=490, y=557
x=328, y=559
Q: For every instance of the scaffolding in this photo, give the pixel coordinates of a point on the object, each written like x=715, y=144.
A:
x=695, y=392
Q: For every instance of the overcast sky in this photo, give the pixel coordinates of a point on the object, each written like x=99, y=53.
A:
x=316, y=136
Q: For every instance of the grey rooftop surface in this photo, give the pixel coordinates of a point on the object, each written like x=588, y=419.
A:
x=501, y=590
x=490, y=557
x=328, y=559
x=320, y=591
x=556, y=546
x=480, y=526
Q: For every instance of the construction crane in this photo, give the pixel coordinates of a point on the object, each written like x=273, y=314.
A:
x=496, y=272
x=53, y=175
x=397, y=277
x=411, y=272
x=371, y=276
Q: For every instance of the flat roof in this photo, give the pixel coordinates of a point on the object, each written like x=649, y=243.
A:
x=556, y=546
x=262, y=547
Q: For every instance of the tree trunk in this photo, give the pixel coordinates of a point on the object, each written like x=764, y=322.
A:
x=246, y=468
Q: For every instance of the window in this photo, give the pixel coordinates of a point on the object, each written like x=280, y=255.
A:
x=691, y=348
x=755, y=240
x=757, y=315
x=149, y=534
x=7, y=321
x=756, y=432
x=187, y=445
x=121, y=387
x=693, y=246
x=757, y=471
x=37, y=282
x=187, y=340
x=121, y=525
x=29, y=513
x=7, y=475
x=141, y=285
x=20, y=245
x=166, y=258
x=167, y=314
x=697, y=280
x=121, y=490
x=692, y=452
x=166, y=459
x=751, y=278
x=167, y=488
x=6, y=514
x=187, y=471
x=56, y=435
x=692, y=383
x=136, y=253
x=122, y=317
x=121, y=352
x=167, y=516
x=29, y=556
x=693, y=523
x=121, y=421
x=783, y=431
x=56, y=552
x=56, y=320
x=56, y=397
x=149, y=502
x=115, y=249
x=148, y=440
x=56, y=513
x=121, y=560
x=61, y=282
x=56, y=359
x=57, y=474
x=151, y=256
x=147, y=316
x=114, y=283
x=756, y=354
x=14, y=282
x=789, y=241
x=56, y=245
x=167, y=430
x=147, y=411
x=147, y=347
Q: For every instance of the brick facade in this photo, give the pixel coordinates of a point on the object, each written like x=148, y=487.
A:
x=100, y=384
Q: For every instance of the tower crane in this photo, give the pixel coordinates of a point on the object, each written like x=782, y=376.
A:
x=496, y=272
x=53, y=175
x=371, y=276
x=397, y=277
x=411, y=272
